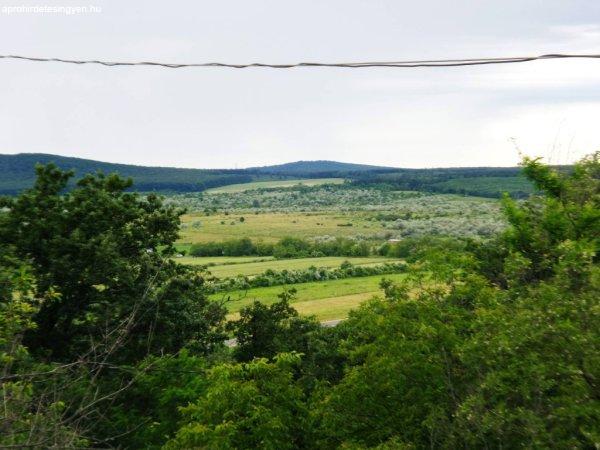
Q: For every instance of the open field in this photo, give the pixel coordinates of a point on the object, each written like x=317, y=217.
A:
x=324, y=212
x=335, y=212
x=333, y=307
x=255, y=268
x=222, y=260
x=242, y=187
x=270, y=227
x=327, y=299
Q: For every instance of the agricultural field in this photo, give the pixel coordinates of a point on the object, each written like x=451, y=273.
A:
x=329, y=211
x=221, y=260
x=270, y=227
x=327, y=197
x=321, y=213
x=326, y=300
x=243, y=187
x=248, y=266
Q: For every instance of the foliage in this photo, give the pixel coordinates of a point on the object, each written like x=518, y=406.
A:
x=465, y=364
x=404, y=377
x=417, y=248
x=247, y=406
x=104, y=250
x=452, y=359
x=543, y=228
x=535, y=359
x=148, y=413
x=287, y=247
x=263, y=331
x=28, y=418
x=18, y=304
x=232, y=247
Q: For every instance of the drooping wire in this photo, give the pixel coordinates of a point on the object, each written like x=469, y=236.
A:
x=347, y=65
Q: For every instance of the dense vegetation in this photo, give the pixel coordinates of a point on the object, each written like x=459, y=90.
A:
x=478, y=181
x=106, y=342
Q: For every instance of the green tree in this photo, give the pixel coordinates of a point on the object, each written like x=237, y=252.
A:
x=567, y=210
x=248, y=406
x=148, y=414
x=535, y=360
x=535, y=349
x=404, y=377
x=29, y=418
x=262, y=330
x=106, y=252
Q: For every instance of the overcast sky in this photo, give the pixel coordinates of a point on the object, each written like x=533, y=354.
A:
x=474, y=116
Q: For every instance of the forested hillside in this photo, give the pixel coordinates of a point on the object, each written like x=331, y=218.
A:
x=16, y=174
x=478, y=181
x=320, y=168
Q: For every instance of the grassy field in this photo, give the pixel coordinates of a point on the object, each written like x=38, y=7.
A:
x=330, y=213
x=232, y=188
x=255, y=268
x=222, y=260
x=327, y=299
x=270, y=227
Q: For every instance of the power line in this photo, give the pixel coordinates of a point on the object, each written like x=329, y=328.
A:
x=348, y=65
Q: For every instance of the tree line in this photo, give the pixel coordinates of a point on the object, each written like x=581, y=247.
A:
x=285, y=277
x=286, y=247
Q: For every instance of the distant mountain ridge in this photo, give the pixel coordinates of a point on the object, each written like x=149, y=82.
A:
x=319, y=166
x=17, y=173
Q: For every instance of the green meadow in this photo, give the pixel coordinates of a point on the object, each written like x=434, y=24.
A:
x=243, y=187
x=270, y=227
x=249, y=265
x=326, y=299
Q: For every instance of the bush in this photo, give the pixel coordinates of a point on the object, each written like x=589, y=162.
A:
x=291, y=247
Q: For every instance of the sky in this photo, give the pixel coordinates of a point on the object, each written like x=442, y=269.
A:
x=228, y=118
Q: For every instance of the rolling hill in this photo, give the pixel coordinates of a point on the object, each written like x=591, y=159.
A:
x=313, y=169
x=17, y=173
